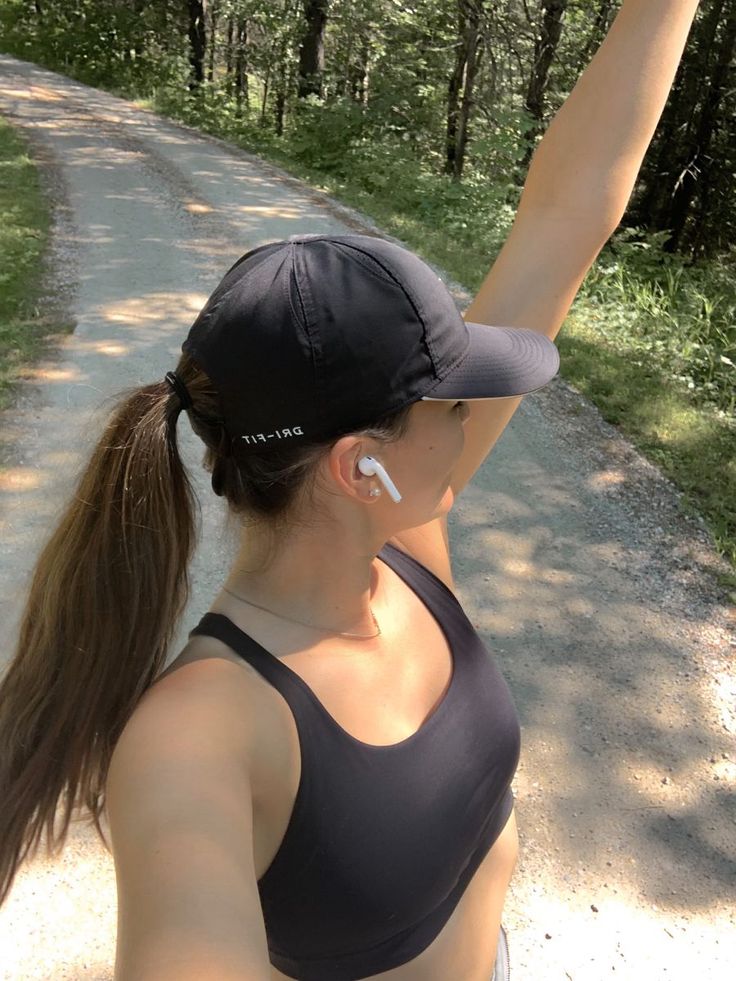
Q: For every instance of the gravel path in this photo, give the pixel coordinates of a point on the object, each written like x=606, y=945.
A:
x=572, y=557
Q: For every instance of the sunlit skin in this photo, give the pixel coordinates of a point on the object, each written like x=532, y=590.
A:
x=323, y=571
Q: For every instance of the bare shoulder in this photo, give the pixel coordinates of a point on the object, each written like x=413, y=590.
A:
x=205, y=687
x=207, y=705
x=180, y=806
x=430, y=545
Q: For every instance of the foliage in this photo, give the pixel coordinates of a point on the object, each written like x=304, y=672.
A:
x=377, y=136
x=678, y=317
x=101, y=42
x=321, y=136
x=24, y=232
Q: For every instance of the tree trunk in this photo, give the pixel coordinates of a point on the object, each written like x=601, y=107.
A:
x=356, y=80
x=699, y=162
x=454, y=87
x=472, y=66
x=545, y=48
x=361, y=93
x=710, y=235
x=197, y=10
x=266, y=82
x=664, y=165
x=241, y=64
x=229, y=47
x=467, y=63
x=347, y=75
x=598, y=31
x=312, y=48
x=280, y=101
x=214, y=16
x=468, y=20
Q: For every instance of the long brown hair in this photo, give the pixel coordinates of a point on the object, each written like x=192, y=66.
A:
x=107, y=593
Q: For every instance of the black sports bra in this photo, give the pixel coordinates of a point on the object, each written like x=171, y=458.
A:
x=383, y=840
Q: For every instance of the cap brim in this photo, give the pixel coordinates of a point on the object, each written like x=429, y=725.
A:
x=500, y=362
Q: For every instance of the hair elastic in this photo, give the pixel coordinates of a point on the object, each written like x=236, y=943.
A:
x=180, y=388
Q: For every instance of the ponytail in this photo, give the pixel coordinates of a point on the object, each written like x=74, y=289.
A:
x=105, y=598
x=107, y=593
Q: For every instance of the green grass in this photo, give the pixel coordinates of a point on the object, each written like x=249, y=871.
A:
x=624, y=370
x=692, y=444
x=657, y=365
x=24, y=234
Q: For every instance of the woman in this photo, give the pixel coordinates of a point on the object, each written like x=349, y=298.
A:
x=318, y=787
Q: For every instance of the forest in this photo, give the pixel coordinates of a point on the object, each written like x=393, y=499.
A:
x=425, y=116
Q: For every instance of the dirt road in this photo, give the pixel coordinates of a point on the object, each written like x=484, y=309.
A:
x=598, y=597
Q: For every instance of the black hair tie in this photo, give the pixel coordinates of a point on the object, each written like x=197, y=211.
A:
x=180, y=388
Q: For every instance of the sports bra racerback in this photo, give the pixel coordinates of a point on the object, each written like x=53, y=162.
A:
x=383, y=840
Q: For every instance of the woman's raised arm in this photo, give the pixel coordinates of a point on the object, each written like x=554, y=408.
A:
x=577, y=189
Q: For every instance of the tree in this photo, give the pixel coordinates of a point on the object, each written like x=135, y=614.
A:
x=467, y=62
x=685, y=186
x=545, y=48
x=699, y=160
x=197, y=10
x=465, y=88
x=214, y=18
x=312, y=48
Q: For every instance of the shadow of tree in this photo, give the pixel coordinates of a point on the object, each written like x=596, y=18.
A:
x=576, y=569
x=695, y=447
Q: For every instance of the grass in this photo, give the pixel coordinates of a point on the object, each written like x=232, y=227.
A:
x=624, y=371
x=692, y=444
x=648, y=365
x=24, y=236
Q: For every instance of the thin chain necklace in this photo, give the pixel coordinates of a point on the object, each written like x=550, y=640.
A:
x=340, y=633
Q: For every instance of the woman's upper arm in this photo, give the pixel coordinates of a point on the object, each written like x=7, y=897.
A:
x=532, y=283
x=180, y=814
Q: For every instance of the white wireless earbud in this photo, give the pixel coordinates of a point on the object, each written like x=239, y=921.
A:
x=370, y=467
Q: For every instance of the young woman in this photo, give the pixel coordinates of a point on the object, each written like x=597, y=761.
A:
x=318, y=786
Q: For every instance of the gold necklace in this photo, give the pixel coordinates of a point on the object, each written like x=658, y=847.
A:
x=340, y=633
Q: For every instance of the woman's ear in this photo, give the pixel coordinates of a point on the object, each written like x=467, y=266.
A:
x=342, y=464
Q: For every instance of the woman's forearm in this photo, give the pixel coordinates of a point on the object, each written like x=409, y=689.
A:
x=592, y=150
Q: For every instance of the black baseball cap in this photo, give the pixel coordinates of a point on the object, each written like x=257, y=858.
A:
x=316, y=336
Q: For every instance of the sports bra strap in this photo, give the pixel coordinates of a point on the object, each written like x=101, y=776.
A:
x=222, y=628
x=297, y=693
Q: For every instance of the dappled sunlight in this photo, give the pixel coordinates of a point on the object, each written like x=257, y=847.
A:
x=50, y=374
x=113, y=349
x=136, y=194
x=530, y=571
x=99, y=157
x=552, y=556
x=519, y=568
x=150, y=125
x=605, y=479
x=33, y=93
x=154, y=308
x=270, y=211
x=579, y=606
x=21, y=479
x=624, y=769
